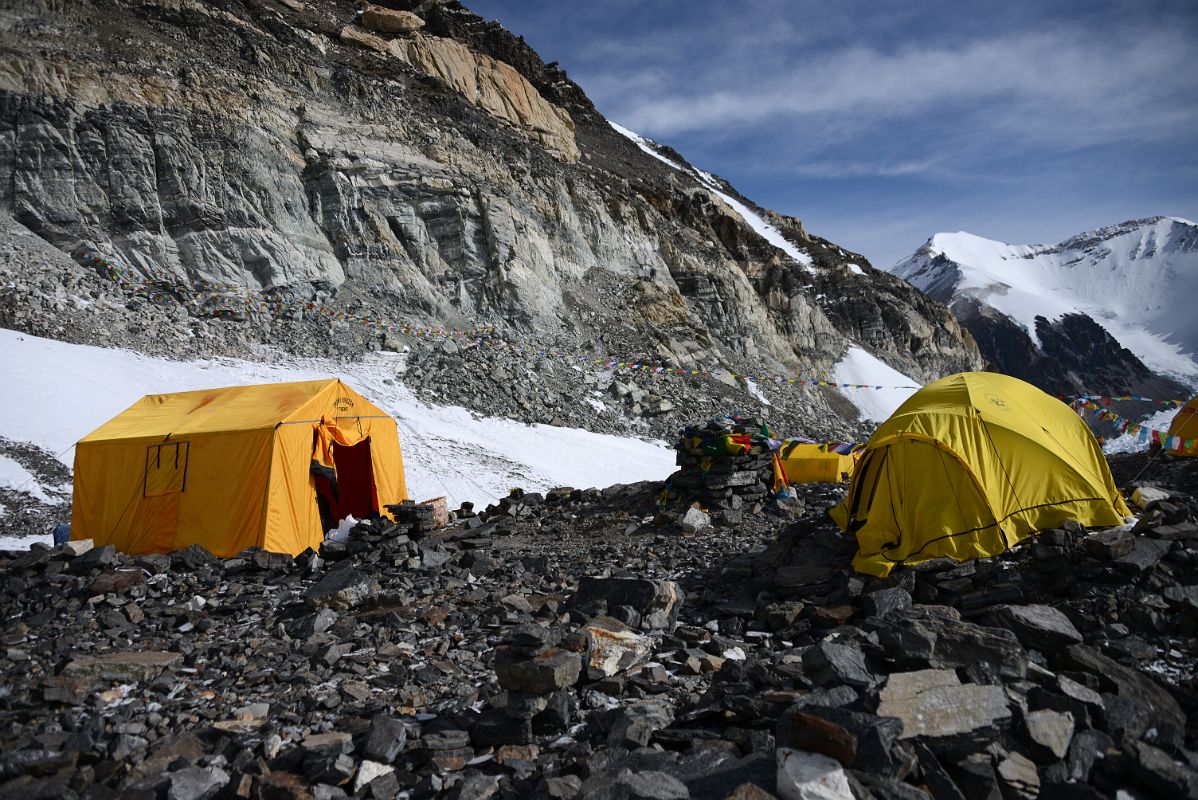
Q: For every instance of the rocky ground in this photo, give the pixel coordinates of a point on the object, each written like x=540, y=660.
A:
x=42, y=501
x=588, y=644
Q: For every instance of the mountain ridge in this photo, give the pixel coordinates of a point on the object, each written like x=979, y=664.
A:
x=1103, y=312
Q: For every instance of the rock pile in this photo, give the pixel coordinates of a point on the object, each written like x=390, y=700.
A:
x=560, y=645
x=725, y=465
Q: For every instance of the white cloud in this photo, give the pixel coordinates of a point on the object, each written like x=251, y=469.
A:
x=1063, y=85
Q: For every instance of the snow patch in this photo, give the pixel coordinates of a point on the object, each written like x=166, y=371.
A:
x=859, y=366
x=751, y=386
x=19, y=543
x=751, y=218
x=446, y=450
x=855, y=269
x=15, y=476
x=643, y=143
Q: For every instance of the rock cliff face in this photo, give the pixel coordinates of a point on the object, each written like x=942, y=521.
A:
x=414, y=162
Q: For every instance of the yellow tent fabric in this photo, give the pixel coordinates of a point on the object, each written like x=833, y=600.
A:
x=968, y=466
x=803, y=462
x=235, y=467
x=1185, y=428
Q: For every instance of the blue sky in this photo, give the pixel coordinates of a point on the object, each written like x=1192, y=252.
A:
x=880, y=123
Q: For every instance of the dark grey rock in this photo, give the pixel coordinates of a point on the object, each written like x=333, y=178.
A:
x=543, y=673
x=628, y=785
x=838, y=663
x=634, y=725
x=197, y=783
x=856, y=739
x=917, y=638
x=1038, y=627
x=385, y=738
x=1140, y=692
x=884, y=602
x=658, y=602
x=341, y=589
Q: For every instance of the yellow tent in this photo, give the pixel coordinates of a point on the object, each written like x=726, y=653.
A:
x=968, y=466
x=235, y=467
x=811, y=462
x=1185, y=428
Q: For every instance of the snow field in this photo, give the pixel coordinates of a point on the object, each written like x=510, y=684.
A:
x=56, y=393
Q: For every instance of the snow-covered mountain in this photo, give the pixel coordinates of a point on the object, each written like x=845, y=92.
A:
x=1107, y=311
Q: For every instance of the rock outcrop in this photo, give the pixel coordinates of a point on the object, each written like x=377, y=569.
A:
x=444, y=174
x=495, y=87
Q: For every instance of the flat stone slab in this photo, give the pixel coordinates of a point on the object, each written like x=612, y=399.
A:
x=935, y=704
x=139, y=664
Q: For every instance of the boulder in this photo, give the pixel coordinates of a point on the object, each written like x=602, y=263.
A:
x=543, y=673
x=352, y=34
x=695, y=519
x=197, y=783
x=341, y=589
x=625, y=784
x=884, y=602
x=656, y=601
x=936, y=708
x=810, y=776
x=635, y=725
x=612, y=647
x=1039, y=627
x=1110, y=544
x=1143, y=495
x=1019, y=778
x=385, y=738
x=918, y=637
x=386, y=20
x=1051, y=732
x=128, y=665
x=838, y=663
x=1160, y=710
x=854, y=738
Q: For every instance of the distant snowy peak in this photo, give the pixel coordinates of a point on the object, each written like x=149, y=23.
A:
x=1137, y=279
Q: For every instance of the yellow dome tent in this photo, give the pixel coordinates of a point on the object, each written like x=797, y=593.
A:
x=968, y=466
x=235, y=467
x=812, y=462
x=1185, y=428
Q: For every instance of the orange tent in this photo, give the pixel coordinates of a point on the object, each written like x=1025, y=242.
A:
x=1183, y=432
x=236, y=467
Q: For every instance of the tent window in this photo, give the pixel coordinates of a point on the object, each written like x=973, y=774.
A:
x=165, y=469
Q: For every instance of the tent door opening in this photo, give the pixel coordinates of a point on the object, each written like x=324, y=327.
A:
x=351, y=491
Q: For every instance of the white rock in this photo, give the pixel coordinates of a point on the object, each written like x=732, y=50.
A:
x=695, y=519
x=79, y=546
x=810, y=776
x=1144, y=495
x=368, y=771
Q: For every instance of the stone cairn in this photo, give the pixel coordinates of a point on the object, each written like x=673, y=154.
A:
x=726, y=465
